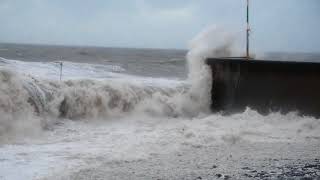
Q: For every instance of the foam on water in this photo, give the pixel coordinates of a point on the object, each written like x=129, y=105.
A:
x=32, y=97
x=70, y=70
x=102, y=92
x=79, y=144
x=82, y=98
x=100, y=111
x=86, y=92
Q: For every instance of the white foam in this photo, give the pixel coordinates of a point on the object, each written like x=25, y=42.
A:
x=98, y=91
x=77, y=145
x=70, y=70
x=116, y=116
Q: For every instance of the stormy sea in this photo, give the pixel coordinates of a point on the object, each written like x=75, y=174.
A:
x=122, y=113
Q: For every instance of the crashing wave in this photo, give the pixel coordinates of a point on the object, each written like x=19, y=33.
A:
x=32, y=89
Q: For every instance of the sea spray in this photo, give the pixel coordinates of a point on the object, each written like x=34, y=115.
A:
x=196, y=100
x=98, y=99
x=211, y=42
x=42, y=101
x=16, y=110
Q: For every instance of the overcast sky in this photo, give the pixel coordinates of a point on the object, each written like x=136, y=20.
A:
x=278, y=25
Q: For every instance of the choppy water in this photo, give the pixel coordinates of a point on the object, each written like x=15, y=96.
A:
x=143, y=62
x=118, y=104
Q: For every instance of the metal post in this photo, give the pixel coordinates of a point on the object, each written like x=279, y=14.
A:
x=61, y=64
x=248, y=31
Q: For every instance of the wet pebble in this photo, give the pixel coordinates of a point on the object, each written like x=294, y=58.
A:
x=246, y=168
x=226, y=177
x=214, y=167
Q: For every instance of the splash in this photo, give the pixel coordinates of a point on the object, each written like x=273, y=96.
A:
x=211, y=42
x=38, y=102
x=17, y=112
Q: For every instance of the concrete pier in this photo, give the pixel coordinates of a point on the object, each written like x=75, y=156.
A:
x=265, y=86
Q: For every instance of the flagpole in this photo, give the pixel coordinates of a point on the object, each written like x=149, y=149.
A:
x=248, y=31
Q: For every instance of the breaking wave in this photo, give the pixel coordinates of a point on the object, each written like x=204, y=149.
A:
x=28, y=103
x=32, y=95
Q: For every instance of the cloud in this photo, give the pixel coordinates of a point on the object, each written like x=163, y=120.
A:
x=155, y=23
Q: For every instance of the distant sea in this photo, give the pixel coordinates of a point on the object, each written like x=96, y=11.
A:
x=143, y=62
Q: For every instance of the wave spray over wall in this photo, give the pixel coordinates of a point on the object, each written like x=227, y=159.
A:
x=32, y=99
x=100, y=120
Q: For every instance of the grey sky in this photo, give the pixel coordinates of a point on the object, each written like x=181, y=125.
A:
x=278, y=25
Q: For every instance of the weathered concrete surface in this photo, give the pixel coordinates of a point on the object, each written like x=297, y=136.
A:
x=265, y=86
